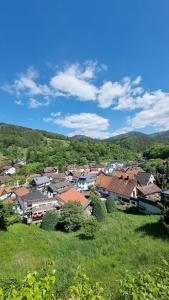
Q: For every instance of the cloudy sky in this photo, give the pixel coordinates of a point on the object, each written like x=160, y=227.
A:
x=97, y=68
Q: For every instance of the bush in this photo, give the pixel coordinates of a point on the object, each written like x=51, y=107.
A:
x=8, y=216
x=89, y=229
x=50, y=220
x=99, y=210
x=72, y=216
x=152, y=284
x=36, y=287
x=110, y=205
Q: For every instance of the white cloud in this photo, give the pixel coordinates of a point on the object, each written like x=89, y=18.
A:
x=88, y=124
x=34, y=103
x=154, y=113
x=56, y=114
x=26, y=88
x=110, y=92
x=151, y=108
x=76, y=81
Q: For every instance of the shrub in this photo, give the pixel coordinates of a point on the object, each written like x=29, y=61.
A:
x=36, y=287
x=99, y=210
x=152, y=284
x=33, y=287
x=110, y=205
x=89, y=229
x=8, y=216
x=72, y=216
x=50, y=220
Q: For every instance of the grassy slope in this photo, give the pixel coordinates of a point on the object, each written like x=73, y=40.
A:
x=120, y=246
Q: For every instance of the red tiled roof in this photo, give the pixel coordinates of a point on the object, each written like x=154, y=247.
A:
x=129, y=173
x=133, y=172
x=4, y=190
x=149, y=189
x=122, y=187
x=77, y=174
x=72, y=195
x=103, y=181
x=118, y=173
x=21, y=191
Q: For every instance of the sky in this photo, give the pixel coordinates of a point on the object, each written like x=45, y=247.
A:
x=96, y=67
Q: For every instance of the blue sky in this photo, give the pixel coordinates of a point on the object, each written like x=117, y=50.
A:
x=97, y=67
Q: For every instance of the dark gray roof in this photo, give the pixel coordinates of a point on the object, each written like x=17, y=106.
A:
x=34, y=196
x=143, y=178
x=86, y=177
x=39, y=180
x=59, y=185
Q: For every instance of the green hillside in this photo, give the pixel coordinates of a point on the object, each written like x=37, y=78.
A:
x=138, y=141
x=41, y=148
x=125, y=243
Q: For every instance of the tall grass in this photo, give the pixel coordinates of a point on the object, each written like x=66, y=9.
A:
x=125, y=243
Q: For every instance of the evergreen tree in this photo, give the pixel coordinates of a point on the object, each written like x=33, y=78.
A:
x=110, y=205
x=99, y=210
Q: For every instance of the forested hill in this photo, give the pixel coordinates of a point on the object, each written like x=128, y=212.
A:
x=21, y=136
x=138, y=141
x=41, y=148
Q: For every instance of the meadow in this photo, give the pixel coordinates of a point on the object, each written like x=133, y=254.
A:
x=125, y=243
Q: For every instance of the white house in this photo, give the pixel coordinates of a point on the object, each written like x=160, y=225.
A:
x=5, y=193
x=85, y=180
x=9, y=170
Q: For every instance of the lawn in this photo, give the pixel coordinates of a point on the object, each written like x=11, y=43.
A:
x=126, y=243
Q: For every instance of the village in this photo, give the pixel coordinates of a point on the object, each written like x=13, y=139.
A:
x=127, y=184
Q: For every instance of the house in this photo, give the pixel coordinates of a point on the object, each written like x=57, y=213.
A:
x=150, y=191
x=127, y=173
x=122, y=189
x=85, y=180
x=102, y=183
x=50, y=170
x=96, y=168
x=69, y=176
x=56, y=176
x=5, y=193
x=40, y=182
x=57, y=187
x=75, y=176
x=145, y=178
x=72, y=168
x=72, y=195
x=112, y=166
x=9, y=170
x=33, y=206
x=21, y=191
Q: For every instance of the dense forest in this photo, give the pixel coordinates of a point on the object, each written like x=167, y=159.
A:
x=41, y=148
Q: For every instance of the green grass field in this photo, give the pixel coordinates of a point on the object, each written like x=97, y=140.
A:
x=126, y=243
